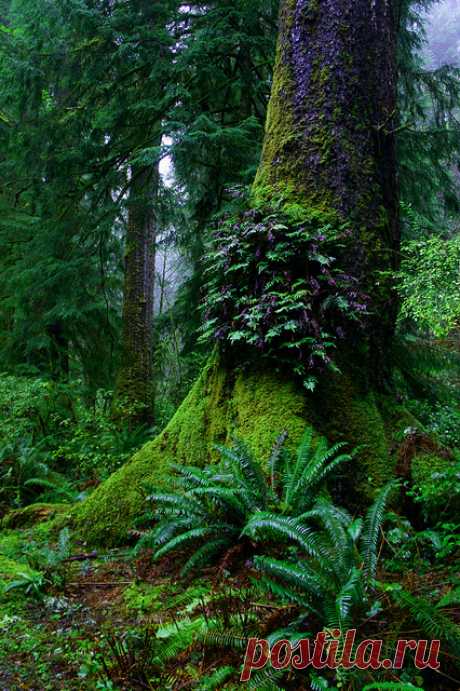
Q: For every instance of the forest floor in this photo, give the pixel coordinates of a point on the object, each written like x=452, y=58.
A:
x=77, y=620
x=53, y=643
x=93, y=627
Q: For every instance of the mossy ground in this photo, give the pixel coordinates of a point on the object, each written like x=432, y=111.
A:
x=32, y=514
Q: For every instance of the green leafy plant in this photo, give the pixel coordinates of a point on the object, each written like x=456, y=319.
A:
x=211, y=508
x=430, y=616
x=438, y=491
x=49, y=560
x=332, y=569
x=428, y=271
x=21, y=464
x=276, y=290
x=53, y=443
x=31, y=583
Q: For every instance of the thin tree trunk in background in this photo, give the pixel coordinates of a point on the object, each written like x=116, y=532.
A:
x=134, y=390
x=330, y=143
x=163, y=282
x=58, y=352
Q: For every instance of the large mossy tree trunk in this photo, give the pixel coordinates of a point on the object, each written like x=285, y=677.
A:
x=134, y=388
x=330, y=142
x=329, y=150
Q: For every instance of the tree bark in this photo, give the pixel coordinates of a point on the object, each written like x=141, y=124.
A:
x=134, y=389
x=330, y=139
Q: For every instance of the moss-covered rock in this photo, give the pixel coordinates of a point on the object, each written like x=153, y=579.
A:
x=32, y=514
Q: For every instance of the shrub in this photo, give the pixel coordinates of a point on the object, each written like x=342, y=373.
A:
x=52, y=439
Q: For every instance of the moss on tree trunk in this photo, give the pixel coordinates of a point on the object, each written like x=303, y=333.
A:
x=330, y=144
x=256, y=406
x=329, y=151
x=134, y=388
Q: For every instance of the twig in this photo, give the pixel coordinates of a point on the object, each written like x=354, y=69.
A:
x=280, y=607
x=82, y=557
x=84, y=584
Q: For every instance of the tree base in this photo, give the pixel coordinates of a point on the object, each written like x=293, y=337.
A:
x=256, y=406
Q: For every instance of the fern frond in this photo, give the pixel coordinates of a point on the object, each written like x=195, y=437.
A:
x=266, y=679
x=180, y=636
x=177, y=502
x=225, y=639
x=372, y=524
x=300, y=576
x=216, y=679
x=227, y=498
x=293, y=476
x=350, y=594
x=203, y=554
x=252, y=472
x=192, y=536
x=434, y=622
x=190, y=476
x=270, y=525
x=276, y=459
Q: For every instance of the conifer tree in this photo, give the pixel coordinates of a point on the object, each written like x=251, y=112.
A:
x=328, y=163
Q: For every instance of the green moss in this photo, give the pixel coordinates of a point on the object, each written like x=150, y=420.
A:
x=280, y=132
x=263, y=406
x=256, y=407
x=347, y=411
x=108, y=514
x=11, y=543
x=397, y=419
x=32, y=514
x=201, y=421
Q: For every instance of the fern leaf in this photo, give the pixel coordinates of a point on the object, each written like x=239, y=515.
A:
x=203, y=554
x=372, y=525
x=270, y=525
x=192, y=536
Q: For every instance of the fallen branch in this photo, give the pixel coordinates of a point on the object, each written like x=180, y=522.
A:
x=82, y=557
x=86, y=584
